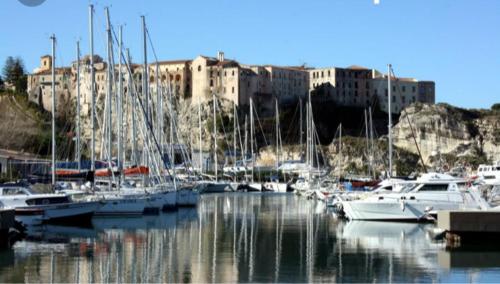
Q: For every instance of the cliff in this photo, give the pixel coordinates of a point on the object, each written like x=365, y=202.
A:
x=458, y=136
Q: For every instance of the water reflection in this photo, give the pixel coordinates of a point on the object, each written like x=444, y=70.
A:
x=236, y=238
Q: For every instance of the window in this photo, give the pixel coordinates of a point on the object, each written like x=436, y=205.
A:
x=393, y=88
x=211, y=83
x=404, y=88
x=413, y=89
x=225, y=73
x=232, y=90
x=199, y=68
x=328, y=73
x=322, y=74
x=211, y=73
x=393, y=99
x=367, y=85
x=233, y=73
x=434, y=187
x=356, y=85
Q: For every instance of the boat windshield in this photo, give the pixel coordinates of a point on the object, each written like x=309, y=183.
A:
x=14, y=191
x=407, y=187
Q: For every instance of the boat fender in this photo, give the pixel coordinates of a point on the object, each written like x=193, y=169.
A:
x=403, y=205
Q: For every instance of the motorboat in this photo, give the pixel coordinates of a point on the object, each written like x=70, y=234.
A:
x=490, y=174
x=33, y=208
x=416, y=201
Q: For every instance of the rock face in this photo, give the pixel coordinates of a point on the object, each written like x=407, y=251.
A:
x=453, y=132
x=22, y=128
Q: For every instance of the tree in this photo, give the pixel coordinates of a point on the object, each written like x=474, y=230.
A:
x=1, y=83
x=14, y=73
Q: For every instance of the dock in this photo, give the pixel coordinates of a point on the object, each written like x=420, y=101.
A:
x=469, y=226
x=7, y=219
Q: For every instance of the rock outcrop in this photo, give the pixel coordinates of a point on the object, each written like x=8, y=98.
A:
x=458, y=135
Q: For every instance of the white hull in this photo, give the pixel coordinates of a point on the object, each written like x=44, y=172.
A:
x=276, y=186
x=407, y=211
x=33, y=215
x=254, y=187
x=117, y=205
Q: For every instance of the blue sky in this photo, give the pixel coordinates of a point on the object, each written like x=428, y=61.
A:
x=456, y=43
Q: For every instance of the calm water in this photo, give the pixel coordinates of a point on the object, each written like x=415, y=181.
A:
x=243, y=238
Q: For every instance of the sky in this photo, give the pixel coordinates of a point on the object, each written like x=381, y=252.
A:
x=455, y=43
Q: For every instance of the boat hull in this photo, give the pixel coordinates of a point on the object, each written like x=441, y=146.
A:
x=116, y=206
x=187, y=197
x=58, y=213
x=392, y=211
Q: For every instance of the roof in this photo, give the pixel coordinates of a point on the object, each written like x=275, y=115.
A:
x=180, y=61
x=294, y=68
x=357, y=67
x=58, y=71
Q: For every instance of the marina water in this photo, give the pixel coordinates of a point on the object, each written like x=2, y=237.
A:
x=243, y=237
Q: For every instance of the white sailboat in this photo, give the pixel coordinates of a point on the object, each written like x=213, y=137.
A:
x=275, y=185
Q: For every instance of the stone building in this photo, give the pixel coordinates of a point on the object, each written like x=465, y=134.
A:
x=358, y=86
x=40, y=84
x=196, y=80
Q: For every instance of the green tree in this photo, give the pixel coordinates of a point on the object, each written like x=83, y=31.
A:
x=14, y=73
x=1, y=83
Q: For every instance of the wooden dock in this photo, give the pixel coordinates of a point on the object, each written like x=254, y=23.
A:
x=7, y=219
x=469, y=226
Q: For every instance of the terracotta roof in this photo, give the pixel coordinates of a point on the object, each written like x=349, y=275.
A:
x=357, y=67
x=172, y=61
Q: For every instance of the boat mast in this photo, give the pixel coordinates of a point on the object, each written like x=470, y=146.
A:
x=145, y=84
x=277, y=136
x=251, y=137
x=200, y=142
x=367, y=144
x=389, y=113
x=371, y=142
x=133, y=138
x=215, y=136
x=245, y=146
x=235, y=114
x=92, y=87
x=120, y=104
x=300, y=126
x=340, y=150
x=78, y=126
x=172, y=153
x=53, y=83
x=109, y=95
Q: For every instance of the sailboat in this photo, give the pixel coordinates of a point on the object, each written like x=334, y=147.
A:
x=216, y=185
x=34, y=208
x=275, y=185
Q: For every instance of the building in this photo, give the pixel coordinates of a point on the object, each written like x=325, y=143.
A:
x=198, y=79
x=357, y=86
x=40, y=84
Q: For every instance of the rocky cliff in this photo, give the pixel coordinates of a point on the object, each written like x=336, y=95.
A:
x=454, y=134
